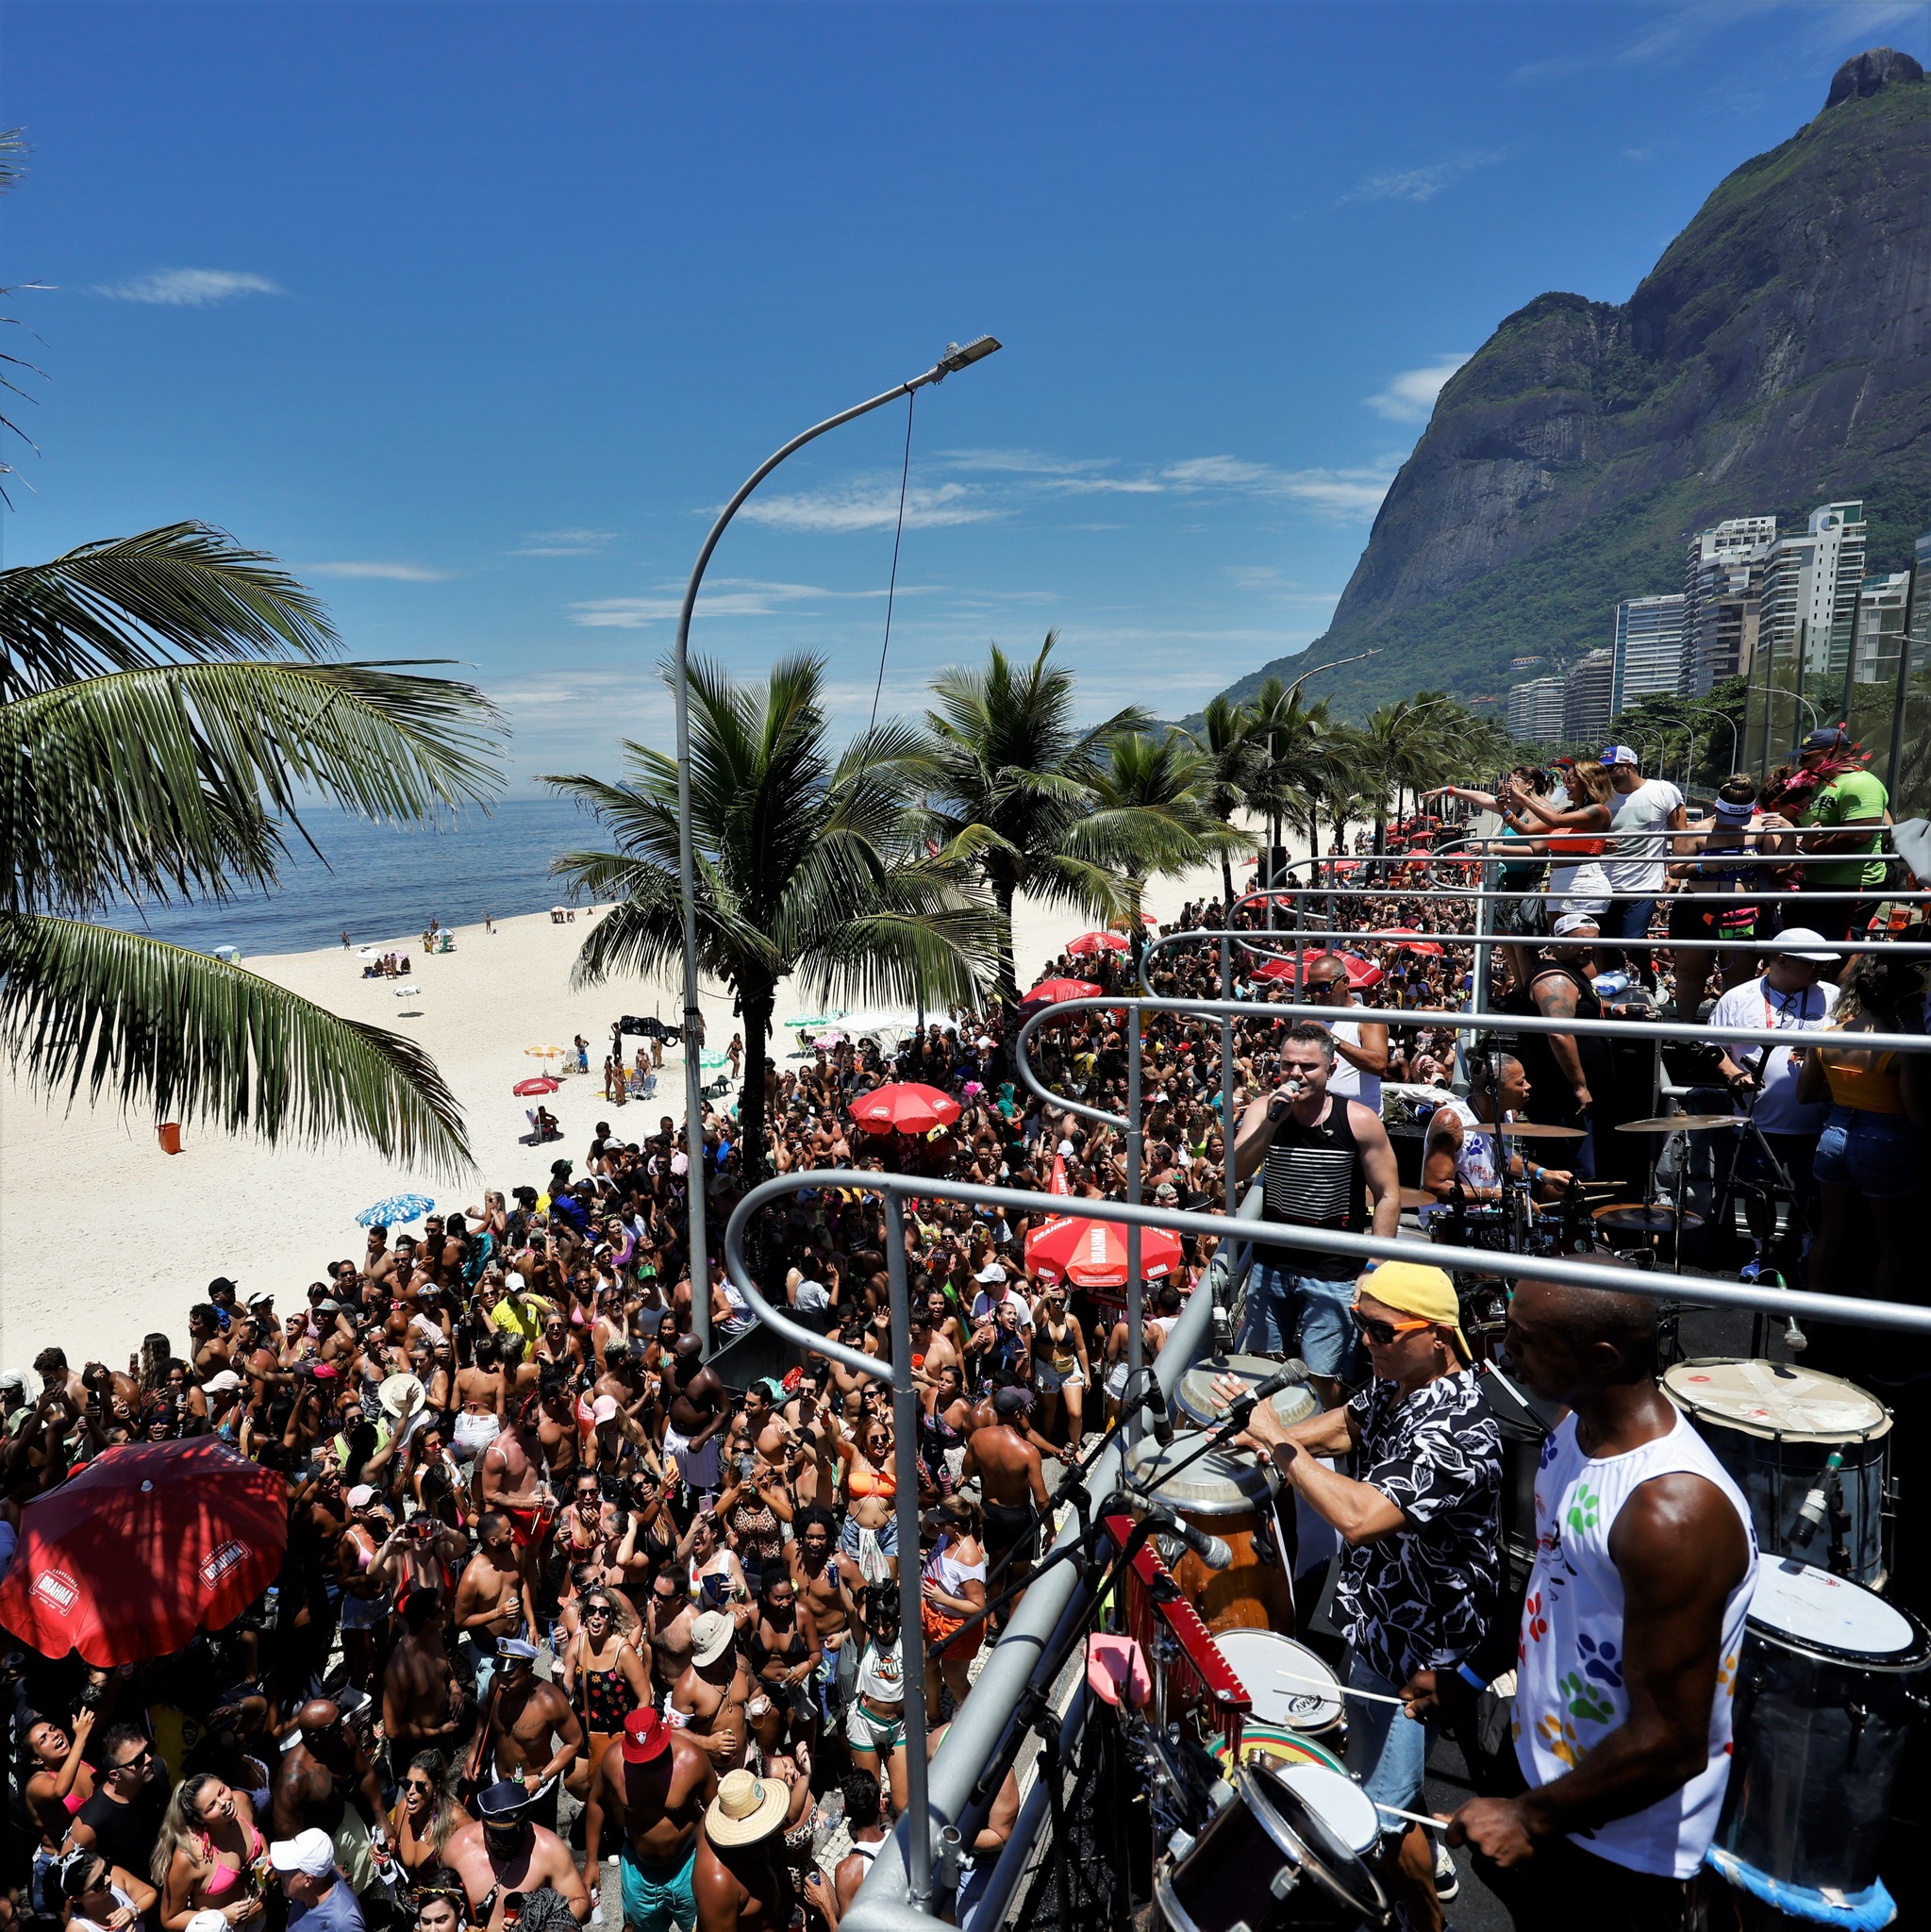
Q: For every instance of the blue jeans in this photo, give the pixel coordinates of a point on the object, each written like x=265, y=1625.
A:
x=1878, y=1153
x=1287, y=1310
x=1387, y=1751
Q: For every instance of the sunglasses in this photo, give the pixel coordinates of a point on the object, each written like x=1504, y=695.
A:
x=417, y=1784
x=1382, y=1333
x=596, y=1609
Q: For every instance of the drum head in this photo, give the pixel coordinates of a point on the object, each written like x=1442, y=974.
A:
x=1348, y=1809
x=1197, y=1403
x=1287, y=1748
x=1287, y=1683
x=1774, y=1399
x=1327, y=1860
x=1218, y=1484
x=1806, y=1608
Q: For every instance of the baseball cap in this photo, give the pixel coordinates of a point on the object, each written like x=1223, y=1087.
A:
x=1620, y=755
x=1825, y=738
x=261, y=1298
x=603, y=1409
x=991, y=1272
x=1414, y=1288
x=221, y=1382
x=310, y=1852
x=710, y=1637
x=645, y=1736
x=208, y=1921
x=220, y=1281
x=1010, y=1402
x=513, y=1282
x=1793, y=941
x=360, y=1496
x=1574, y=922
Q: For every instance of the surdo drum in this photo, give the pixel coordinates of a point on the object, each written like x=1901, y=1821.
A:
x=1227, y=1497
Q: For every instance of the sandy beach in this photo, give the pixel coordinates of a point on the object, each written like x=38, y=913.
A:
x=104, y=1238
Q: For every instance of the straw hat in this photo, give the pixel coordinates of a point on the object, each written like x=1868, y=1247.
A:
x=400, y=1396
x=746, y=1809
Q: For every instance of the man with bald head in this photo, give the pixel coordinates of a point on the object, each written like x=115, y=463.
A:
x=326, y=1781
x=1645, y=1561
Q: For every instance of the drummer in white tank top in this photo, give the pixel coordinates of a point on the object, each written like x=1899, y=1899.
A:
x=1630, y=1634
x=1361, y=1045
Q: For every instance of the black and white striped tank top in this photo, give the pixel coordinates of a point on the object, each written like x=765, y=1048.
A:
x=1314, y=1174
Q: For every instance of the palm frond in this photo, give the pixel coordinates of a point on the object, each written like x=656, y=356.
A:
x=185, y=590
x=86, y=1008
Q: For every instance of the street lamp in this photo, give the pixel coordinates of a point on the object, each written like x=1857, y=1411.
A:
x=955, y=358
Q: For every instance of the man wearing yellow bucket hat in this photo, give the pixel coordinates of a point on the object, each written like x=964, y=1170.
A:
x=1419, y=1574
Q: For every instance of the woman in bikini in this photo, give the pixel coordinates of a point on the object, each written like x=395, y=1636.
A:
x=954, y=1588
x=604, y=1680
x=871, y=1487
x=1061, y=1372
x=210, y=1855
x=62, y=1783
x=426, y=1815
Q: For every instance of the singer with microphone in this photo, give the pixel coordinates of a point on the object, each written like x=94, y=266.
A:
x=1419, y=1577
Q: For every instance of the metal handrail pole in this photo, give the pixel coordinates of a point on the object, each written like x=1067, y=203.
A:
x=1136, y=1296
x=1299, y=942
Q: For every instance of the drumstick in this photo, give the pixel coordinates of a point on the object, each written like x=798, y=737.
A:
x=1342, y=1689
x=1412, y=1817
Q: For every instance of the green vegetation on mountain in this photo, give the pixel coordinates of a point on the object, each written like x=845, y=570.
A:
x=1776, y=358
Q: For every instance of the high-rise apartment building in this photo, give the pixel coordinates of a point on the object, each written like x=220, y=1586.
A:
x=1648, y=650
x=1882, y=603
x=1534, y=710
x=1586, y=709
x=1722, y=598
x=1811, y=592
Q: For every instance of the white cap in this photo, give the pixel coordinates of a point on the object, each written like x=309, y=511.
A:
x=221, y=1382
x=1574, y=922
x=209, y=1921
x=513, y=1282
x=1794, y=938
x=360, y=1496
x=991, y=1272
x=261, y=1298
x=309, y=1851
x=603, y=1409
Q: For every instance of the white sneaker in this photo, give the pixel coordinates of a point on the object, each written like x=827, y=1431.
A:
x=1447, y=1879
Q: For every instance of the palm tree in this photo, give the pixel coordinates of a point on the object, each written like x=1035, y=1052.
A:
x=1010, y=780
x=1405, y=747
x=1226, y=736
x=807, y=864
x=166, y=700
x=1153, y=811
x=1296, y=761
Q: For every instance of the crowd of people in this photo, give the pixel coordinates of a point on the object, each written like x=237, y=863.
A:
x=555, y=1596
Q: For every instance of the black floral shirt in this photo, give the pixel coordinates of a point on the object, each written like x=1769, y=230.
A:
x=1424, y=1597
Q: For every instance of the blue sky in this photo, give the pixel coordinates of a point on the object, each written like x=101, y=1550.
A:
x=475, y=313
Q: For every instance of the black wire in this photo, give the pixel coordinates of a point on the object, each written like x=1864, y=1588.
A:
x=891, y=592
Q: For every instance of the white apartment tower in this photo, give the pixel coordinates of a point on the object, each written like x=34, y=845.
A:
x=1534, y=710
x=1585, y=706
x=1881, y=606
x=1648, y=649
x=1811, y=592
x=1723, y=598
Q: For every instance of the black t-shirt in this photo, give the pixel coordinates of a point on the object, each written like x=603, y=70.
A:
x=124, y=1835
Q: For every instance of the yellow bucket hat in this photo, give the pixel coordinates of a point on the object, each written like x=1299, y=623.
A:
x=1413, y=1287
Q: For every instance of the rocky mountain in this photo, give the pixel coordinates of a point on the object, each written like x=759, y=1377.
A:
x=1778, y=356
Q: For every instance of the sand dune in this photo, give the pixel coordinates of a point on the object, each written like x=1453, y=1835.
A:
x=104, y=1238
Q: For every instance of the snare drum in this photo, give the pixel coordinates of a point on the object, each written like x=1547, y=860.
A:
x=1228, y=1496
x=1278, y=1747
x=1773, y=1425
x=1286, y=1685
x=1194, y=1402
x=1828, y=1685
x=1280, y=1855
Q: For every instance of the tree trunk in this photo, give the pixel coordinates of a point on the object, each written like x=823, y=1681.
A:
x=757, y=1010
x=1227, y=883
x=1003, y=896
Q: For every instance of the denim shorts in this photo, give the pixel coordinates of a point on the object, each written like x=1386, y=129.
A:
x=1302, y=1314
x=1878, y=1153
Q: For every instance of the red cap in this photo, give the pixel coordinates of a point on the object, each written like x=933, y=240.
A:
x=645, y=1736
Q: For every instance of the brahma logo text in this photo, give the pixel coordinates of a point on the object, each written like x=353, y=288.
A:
x=57, y=1590
x=221, y=1559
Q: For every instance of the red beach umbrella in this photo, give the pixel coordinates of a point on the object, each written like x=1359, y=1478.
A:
x=1093, y=1254
x=1408, y=939
x=1051, y=991
x=1361, y=973
x=906, y=1107
x=1096, y=943
x=148, y=1543
x=541, y=1084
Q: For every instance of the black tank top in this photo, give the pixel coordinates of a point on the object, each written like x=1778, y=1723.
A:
x=1550, y=1098
x=1313, y=1177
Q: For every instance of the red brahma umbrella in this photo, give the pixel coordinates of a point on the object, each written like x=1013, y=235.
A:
x=144, y=1546
x=1361, y=973
x=1408, y=940
x=1093, y=1254
x=1050, y=992
x=906, y=1107
x=541, y=1084
x=1097, y=942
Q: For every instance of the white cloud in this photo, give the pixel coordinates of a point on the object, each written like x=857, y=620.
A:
x=1409, y=397
x=190, y=288
x=719, y=598
x=1423, y=183
x=1347, y=493
x=395, y=573
x=1074, y=476
x=872, y=506
x=572, y=542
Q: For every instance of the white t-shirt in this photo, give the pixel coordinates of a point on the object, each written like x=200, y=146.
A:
x=811, y=1296
x=986, y=1305
x=1757, y=1003
x=1634, y=864
x=1345, y=1078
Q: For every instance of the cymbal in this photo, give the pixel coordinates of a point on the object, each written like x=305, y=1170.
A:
x=1538, y=1130
x=1418, y=1197
x=1659, y=1217
x=1683, y=1122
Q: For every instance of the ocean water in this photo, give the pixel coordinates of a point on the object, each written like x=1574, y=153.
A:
x=381, y=882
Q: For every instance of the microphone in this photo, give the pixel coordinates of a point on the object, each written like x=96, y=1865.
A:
x=1290, y=1374
x=1209, y=1549
x=1155, y=1404
x=1809, y=1519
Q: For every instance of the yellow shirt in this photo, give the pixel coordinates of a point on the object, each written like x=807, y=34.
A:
x=520, y=1314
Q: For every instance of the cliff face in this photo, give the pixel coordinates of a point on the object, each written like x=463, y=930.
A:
x=1779, y=355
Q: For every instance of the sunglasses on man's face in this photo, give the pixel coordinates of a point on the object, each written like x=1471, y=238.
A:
x=1383, y=1333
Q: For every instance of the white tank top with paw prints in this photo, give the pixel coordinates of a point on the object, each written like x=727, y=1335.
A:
x=1570, y=1691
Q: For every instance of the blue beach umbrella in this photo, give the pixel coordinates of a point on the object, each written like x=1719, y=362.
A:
x=397, y=1209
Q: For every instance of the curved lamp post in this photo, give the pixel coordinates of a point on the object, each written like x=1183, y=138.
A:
x=954, y=358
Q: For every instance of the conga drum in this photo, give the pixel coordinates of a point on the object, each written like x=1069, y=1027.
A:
x=1195, y=1404
x=1227, y=1497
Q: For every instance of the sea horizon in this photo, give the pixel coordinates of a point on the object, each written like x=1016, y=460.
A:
x=383, y=881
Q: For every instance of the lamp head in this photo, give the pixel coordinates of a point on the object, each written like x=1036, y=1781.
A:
x=957, y=357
